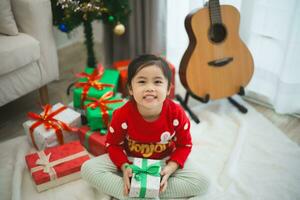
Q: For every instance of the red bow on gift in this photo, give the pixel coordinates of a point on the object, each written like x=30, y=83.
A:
x=102, y=104
x=49, y=122
x=92, y=81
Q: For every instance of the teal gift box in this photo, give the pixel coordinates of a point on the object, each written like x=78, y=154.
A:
x=94, y=82
x=99, y=111
x=145, y=182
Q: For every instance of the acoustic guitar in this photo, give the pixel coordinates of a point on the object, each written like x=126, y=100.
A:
x=216, y=63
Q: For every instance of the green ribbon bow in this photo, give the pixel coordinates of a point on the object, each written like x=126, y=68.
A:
x=142, y=173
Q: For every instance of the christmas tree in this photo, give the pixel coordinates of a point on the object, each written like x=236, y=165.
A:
x=69, y=14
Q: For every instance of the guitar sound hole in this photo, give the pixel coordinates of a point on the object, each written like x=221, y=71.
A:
x=217, y=33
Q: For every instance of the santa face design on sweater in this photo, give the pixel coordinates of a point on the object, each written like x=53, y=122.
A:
x=166, y=137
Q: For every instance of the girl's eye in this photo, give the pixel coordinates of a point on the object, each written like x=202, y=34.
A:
x=141, y=81
x=158, y=82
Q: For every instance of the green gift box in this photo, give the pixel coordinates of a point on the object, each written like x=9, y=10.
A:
x=145, y=181
x=94, y=82
x=99, y=111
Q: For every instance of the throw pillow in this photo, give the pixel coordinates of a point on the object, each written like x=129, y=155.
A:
x=8, y=25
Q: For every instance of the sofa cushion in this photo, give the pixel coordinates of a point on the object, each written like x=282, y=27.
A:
x=17, y=51
x=7, y=21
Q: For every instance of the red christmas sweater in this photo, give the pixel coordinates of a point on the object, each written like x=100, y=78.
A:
x=130, y=135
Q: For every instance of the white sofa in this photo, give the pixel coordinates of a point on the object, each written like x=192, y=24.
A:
x=28, y=61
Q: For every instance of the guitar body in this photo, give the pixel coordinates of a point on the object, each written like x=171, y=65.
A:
x=218, y=68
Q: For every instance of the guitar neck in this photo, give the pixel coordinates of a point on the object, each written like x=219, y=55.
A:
x=214, y=12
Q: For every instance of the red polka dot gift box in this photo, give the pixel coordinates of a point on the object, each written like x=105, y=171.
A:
x=93, y=141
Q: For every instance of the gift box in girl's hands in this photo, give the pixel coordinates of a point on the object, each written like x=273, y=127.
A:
x=94, y=82
x=99, y=111
x=54, y=126
x=56, y=165
x=145, y=181
x=93, y=141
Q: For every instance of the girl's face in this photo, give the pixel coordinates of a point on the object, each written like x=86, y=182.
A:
x=149, y=88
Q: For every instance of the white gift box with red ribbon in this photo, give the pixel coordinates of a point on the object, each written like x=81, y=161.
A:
x=44, y=138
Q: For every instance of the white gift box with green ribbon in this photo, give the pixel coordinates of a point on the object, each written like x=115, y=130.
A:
x=145, y=182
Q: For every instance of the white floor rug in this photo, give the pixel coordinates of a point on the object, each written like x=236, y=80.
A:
x=245, y=156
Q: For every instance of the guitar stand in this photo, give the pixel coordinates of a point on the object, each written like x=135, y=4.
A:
x=239, y=106
x=184, y=102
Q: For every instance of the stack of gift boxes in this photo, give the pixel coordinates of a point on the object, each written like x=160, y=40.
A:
x=62, y=138
x=95, y=97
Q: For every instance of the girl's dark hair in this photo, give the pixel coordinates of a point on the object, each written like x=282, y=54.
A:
x=145, y=60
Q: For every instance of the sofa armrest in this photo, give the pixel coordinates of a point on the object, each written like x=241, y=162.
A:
x=34, y=17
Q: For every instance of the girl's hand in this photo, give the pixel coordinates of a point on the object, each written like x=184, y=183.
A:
x=169, y=169
x=127, y=173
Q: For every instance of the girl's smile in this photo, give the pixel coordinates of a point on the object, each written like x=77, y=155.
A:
x=149, y=97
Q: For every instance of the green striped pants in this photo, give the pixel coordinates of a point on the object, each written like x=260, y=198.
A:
x=102, y=174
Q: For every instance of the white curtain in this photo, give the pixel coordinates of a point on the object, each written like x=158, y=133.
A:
x=270, y=29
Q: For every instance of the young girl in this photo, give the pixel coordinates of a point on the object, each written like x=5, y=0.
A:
x=150, y=126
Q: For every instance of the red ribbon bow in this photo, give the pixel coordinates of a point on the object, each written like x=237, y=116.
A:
x=49, y=122
x=102, y=104
x=92, y=81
